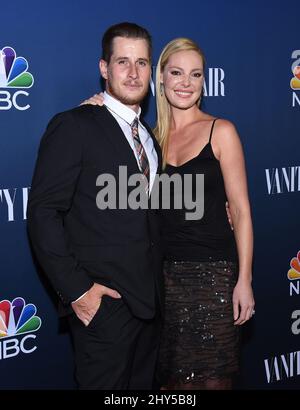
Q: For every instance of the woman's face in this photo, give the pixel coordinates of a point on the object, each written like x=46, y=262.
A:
x=183, y=79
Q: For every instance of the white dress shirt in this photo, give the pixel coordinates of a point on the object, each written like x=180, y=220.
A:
x=125, y=116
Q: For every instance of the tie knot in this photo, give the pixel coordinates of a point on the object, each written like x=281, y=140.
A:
x=135, y=123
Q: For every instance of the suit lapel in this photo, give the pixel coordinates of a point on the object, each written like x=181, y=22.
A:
x=116, y=136
x=118, y=140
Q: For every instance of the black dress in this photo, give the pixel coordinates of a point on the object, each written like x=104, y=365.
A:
x=199, y=339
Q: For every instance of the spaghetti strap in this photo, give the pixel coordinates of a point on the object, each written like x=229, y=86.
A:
x=212, y=128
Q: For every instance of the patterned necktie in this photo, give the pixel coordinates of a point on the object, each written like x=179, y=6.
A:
x=141, y=153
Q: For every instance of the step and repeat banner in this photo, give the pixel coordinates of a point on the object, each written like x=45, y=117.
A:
x=49, y=53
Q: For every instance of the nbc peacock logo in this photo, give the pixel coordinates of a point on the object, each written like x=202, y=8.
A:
x=294, y=275
x=13, y=74
x=295, y=81
x=17, y=319
x=13, y=70
x=294, y=272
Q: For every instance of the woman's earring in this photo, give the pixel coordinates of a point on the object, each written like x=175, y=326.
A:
x=161, y=88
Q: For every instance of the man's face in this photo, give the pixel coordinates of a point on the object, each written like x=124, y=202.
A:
x=128, y=73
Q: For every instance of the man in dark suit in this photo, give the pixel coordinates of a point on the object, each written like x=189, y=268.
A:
x=105, y=264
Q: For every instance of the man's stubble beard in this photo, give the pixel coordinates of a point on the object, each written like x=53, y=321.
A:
x=124, y=99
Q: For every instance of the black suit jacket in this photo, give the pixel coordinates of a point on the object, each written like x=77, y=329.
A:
x=76, y=243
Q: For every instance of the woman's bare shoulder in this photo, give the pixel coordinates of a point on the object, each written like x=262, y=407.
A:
x=223, y=125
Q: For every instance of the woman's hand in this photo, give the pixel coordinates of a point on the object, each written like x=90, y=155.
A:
x=96, y=99
x=243, y=302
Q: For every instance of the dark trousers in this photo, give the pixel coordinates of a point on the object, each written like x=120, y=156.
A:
x=116, y=350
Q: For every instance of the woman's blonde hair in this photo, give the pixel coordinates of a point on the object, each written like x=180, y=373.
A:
x=161, y=130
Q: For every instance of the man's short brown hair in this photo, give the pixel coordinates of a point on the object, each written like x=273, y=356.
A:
x=127, y=30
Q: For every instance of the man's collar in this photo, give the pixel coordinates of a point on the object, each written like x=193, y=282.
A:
x=126, y=113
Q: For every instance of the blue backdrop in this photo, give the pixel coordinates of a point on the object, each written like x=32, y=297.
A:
x=253, y=54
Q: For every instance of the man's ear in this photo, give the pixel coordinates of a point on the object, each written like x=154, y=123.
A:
x=103, y=68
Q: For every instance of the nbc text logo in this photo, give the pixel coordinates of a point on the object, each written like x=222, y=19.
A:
x=17, y=319
x=295, y=81
x=294, y=275
x=13, y=75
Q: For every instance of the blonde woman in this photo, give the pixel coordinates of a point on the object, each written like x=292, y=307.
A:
x=207, y=266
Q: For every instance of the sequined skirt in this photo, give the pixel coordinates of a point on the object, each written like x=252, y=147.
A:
x=199, y=339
